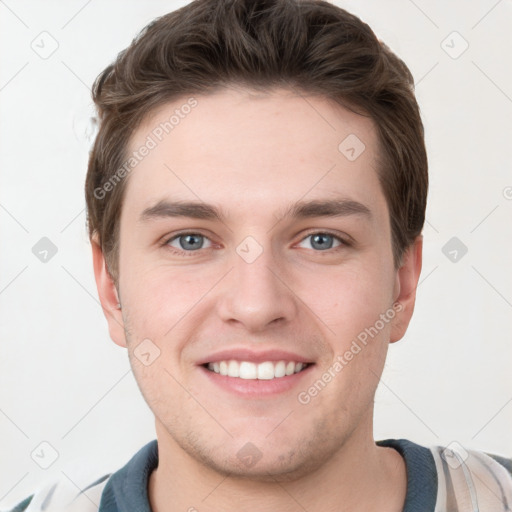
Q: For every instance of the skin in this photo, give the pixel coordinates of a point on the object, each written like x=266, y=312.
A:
x=252, y=155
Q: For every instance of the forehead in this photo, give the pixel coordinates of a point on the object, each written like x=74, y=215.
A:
x=247, y=149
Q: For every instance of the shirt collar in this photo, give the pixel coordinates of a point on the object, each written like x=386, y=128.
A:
x=127, y=489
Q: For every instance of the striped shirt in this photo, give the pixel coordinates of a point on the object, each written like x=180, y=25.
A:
x=439, y=479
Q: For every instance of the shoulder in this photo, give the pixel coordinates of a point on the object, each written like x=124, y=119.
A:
x=90, y=492
x=473, y=477
x=506, y=463
x=22, y=506
x=124, y=489
x=456, y=456
x=64, y=496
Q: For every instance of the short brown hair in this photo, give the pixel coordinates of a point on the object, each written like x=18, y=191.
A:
x=305, y=45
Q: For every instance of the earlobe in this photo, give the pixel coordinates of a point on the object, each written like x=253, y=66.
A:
x=108, y=295
x=405, y=288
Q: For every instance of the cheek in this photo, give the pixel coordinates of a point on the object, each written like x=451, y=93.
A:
x=162, y=302
x=352, y=302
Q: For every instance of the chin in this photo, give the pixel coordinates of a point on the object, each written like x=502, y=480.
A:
x=284, y=468
x=267, y=462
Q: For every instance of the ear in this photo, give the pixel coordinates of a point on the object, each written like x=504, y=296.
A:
x=107, y=292
x=407, y=277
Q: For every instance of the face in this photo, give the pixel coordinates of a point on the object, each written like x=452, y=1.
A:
x=257, y=282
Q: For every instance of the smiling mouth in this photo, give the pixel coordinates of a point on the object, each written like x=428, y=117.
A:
x=267, y=370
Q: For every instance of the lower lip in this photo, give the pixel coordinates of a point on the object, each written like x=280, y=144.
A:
x=253, y=388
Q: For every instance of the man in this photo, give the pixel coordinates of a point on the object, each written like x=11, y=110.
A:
x=256, y=194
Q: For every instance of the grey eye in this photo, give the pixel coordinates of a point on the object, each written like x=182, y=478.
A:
x=322, y=241
x=188, y=241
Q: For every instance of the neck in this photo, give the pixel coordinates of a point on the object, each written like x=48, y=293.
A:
x=360, y=476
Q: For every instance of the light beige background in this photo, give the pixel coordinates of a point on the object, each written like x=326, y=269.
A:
x=63, y=382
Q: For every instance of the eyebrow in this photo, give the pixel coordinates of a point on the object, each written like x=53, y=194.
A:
x=299, y=210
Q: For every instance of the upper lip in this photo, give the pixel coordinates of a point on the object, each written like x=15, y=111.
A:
x=245, y=354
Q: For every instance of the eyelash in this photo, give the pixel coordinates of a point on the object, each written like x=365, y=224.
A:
x=180, y=252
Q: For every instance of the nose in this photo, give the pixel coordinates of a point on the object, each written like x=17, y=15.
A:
x=257, y=293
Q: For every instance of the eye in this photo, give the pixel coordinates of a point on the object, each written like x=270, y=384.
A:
x=193, y=242
x=189, y=242
x=323, y=241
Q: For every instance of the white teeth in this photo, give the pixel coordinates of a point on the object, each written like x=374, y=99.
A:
x=280, y=369
x=248, y=370
x=267, y=370
x=233, y=369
